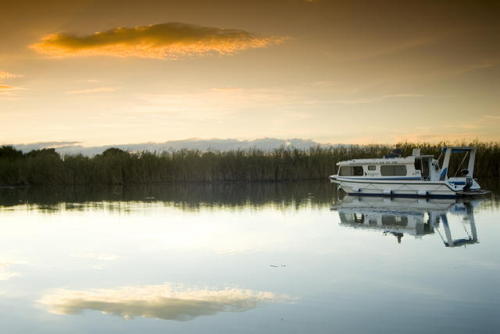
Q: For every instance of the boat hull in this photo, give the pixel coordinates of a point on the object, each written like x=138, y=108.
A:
x=402, y=188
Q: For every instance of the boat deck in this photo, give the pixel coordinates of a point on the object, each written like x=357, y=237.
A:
x=472, y=193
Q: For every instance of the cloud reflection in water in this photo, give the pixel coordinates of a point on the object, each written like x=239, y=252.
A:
x=157, y=301
x=5, y=272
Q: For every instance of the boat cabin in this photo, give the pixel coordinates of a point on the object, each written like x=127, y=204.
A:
x=416, y=167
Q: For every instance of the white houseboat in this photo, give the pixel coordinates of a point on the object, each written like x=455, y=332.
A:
x=415, y=175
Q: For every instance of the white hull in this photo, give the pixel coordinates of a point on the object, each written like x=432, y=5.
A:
x=418, y=188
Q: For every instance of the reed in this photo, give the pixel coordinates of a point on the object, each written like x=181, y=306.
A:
x=117, y=167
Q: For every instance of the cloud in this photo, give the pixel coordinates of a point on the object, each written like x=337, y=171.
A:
x=5, y=272
x=8, y=75
x=160, y=41
x=8, y=91
x=92, y=90
x=97, y=256
x=494, y=117
x=377, y=99
x=156, y=301
x=48, y=144
x=212, y=104
x=7, y=275
x=266, y=144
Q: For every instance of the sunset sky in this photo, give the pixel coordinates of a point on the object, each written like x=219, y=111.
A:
x=115, y=72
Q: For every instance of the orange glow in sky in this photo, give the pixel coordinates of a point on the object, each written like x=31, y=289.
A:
x=116, y=72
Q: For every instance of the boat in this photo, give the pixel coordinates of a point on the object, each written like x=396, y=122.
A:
x=416, y=217
x=416, y=175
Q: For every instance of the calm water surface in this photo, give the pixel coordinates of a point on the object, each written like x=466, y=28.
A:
x=246, y=259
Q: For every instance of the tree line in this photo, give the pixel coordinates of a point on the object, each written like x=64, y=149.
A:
x=118, y=167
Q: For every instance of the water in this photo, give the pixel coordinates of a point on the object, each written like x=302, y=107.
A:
x=289, y=258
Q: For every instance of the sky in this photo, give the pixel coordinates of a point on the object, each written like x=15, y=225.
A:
x=132, y=71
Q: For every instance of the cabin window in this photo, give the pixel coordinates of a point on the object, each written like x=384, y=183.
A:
x=359, y=218
x=352, y=218
x=393, y=170
x=389, y=220
x=372, y=167
x=345, y=171
x=351, y=171
x=358, y=171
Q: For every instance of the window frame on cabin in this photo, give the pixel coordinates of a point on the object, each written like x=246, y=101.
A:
x=393, y=170
x=351, y=171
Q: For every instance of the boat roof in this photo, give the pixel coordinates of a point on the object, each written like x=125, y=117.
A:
x=382, y=161
x=458, y=149
x=377, y=161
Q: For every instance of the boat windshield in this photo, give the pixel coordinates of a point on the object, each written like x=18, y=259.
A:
x=351, y=171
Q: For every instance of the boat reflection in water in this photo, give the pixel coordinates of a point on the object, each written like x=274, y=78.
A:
x=411, y=216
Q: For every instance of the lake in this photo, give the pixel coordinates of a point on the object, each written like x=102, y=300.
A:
x=246, y=258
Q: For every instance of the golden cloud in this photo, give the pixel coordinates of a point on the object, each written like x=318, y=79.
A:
x=5, y=87
x=156, y=301
x=92, y=90
x=160, y=41
x=8, y=75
